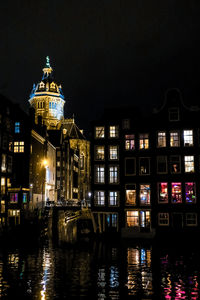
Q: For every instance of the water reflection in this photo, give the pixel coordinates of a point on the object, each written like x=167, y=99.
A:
x=101, y=270
x=139, y=279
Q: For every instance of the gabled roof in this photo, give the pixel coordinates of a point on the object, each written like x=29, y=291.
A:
x=71, y=130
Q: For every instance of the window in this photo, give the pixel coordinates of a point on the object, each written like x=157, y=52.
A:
x=161, y=142
x=130, y=142
x=111, y=220
x=144, y=166
x=191, y=219
x=130, y=166
x=3, y=185
x=163, y=219
x=99, y=198
x=175, y=164
x=17, y=127
x=161, y=164
x=130, y=194
x=145, y=219
x=162, y=192
x=99, y=153
x=18, y=146
x=113, y=132
x=113, y=174
x=50, y=105
x=9, y=164
x=13, y=197
x=126, y=124
x=82, y=161
x=190, y=192
x=99, y=174
x=189, y=164
x=113, y=198
x=10, y=146
x=174, y=139
x=99, y=132
x=132, y=218
x=188, y=138
x=145, y=194
x=176, y=192
x=3, y=163
x=144, y=141
x=174, y=114
x=113, y=152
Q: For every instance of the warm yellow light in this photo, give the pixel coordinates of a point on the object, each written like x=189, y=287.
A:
x=45, y=163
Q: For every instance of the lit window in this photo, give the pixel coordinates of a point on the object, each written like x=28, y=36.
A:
x=13, y=197
x=113, y=198
x=113, y=131
x=82, y=161
x=99, y=198
x=3, y=185
x=17, y=127
x=175, y=164
x=144, y=165
x=99, y=152
x=113, y=174
x=130, y=142
x=162, y=192
x=163, y=219
x=191, y=219
x=99, y=174
x=111, y=220
x=145, y=219
x=190, y=192
x=99, y=132
x=145, y=194
x=189, y=164
x=161, y=164
x=18, y=146
x=132, y=218
x=24, y=198
x=144, y=141
x=174, y=139
x=126, y=124
x=113, y=152
x=176, y=192
x=3, y=163
x=174, y=114
x=130, y=194
x=50, y=105
x=161, y=142
x=188, y=138
x=130, y=166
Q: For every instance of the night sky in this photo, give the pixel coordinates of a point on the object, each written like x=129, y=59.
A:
x=103, y=52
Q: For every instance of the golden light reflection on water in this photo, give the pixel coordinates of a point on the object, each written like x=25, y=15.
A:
x=47, y=271
x=139, y=273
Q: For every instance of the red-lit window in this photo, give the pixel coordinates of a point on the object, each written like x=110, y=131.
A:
x=162, y=192
x=176, y=192
x=13, y=197
x=190, y=192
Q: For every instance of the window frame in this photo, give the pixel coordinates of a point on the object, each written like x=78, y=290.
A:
x=96, y=176
x=159, y=218
x=95, y=132
x=149, y=159
x=95, y=152
x=125, y=171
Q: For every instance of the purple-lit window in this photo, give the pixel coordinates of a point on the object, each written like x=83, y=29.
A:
x=176, y=192
x=190, y=192
x=13, y=197
x=163, y=192
x=130, y=142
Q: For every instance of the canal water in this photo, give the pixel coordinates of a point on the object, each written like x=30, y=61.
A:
x=99, y=269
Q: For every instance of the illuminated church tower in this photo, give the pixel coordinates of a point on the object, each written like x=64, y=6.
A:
x=48, y=100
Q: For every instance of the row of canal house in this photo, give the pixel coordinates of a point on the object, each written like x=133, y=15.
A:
x=145, y=171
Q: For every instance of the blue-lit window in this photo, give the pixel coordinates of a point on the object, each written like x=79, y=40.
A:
x=49, y=104
x=17, y=127
x=24, y=197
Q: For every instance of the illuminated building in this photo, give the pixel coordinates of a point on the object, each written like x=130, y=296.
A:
x=72, y=148
x=145, y=178
x=47, y=99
